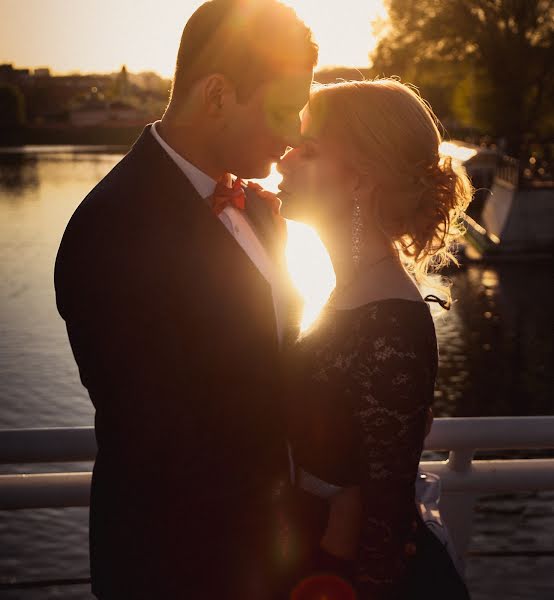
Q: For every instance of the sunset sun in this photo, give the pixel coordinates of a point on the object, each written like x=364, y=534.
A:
x=98, y=36
x=101, y=35
x=343, y=30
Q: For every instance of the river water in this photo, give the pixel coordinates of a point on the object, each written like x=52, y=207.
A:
x=496, y=359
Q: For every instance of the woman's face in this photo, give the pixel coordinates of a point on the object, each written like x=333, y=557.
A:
x=318, y=186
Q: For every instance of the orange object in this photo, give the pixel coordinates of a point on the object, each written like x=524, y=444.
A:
x=274, y=204
x=224, y=195
x=323, y=587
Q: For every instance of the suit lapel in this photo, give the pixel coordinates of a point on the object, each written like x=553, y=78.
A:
x=176, y=185
x=208, y=238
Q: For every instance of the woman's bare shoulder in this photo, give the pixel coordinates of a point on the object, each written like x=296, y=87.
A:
x=389, y=282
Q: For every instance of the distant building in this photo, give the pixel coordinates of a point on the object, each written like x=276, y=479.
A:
x=5, y=72
x=39, y=98
x=98, y=112
x=42, y=72
x=93, y=112
x=120, y=111
x=122, y=83
x=10, y=75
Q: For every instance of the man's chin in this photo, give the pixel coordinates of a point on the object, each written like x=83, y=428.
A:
x=291, y=208
x=256, y=172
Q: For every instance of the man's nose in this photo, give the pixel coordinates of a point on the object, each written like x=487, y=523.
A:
x=292, y=135
x=285, y=165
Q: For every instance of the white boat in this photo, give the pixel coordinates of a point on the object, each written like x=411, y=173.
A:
x=513, y=212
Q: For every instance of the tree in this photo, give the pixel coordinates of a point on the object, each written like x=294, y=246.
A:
x=505, y=47
x=12, y=106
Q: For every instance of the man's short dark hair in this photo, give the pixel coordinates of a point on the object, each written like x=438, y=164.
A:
x=248, y=41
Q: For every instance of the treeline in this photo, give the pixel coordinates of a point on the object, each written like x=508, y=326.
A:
x=485, y=66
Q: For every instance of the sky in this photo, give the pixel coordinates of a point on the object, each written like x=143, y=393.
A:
x=101, y=35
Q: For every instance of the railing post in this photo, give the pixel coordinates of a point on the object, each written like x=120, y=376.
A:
x=460, y=460
x=457, y=508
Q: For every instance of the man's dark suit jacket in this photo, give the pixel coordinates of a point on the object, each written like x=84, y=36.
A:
x=173, y=330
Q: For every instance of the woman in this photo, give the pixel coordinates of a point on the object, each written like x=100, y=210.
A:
x=369, y=177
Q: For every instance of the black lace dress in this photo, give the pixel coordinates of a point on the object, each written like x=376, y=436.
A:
x=359, y=388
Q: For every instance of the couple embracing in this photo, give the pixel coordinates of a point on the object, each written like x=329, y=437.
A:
x=239, y=458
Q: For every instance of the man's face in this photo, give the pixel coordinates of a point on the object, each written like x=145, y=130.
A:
x=256, y=132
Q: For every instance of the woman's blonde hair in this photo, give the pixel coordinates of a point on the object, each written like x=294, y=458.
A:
x=391, y=137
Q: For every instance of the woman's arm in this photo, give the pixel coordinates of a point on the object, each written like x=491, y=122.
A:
x=343, y=527
x=345, y=514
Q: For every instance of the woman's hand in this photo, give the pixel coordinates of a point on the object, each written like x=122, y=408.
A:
x=429, y=421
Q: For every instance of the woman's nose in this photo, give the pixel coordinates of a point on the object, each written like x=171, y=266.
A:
x=286, y=164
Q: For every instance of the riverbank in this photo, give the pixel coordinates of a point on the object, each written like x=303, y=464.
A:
x=113, y=135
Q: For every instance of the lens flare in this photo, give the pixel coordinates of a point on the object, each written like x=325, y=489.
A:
x=457, y=151
x=310, y=269
x=308, y=262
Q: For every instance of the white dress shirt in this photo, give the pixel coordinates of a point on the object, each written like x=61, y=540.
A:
x=238, y=226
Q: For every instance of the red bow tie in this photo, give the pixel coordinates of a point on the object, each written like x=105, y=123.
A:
x=224, y=195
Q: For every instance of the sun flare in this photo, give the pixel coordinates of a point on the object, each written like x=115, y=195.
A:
x=310, y=270
x=308, y=262
x=457, y=151
x=343, y=30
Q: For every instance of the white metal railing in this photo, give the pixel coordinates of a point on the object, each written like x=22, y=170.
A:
x=508, y=170
x=462, y=477
x=55, y=444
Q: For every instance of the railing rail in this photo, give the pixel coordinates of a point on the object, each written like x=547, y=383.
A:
x=78, y=444
x=52, y=445
x=508, y=170
x=491, y=433
x=462, y=477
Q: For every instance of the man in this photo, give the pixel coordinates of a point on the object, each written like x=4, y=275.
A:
x=174, y=314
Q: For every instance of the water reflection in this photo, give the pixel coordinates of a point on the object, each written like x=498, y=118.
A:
x=18, y=172
x=21, y=171
x=496, y=344
x=38, y=193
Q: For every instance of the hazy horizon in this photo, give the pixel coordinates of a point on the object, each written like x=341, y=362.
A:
x=70, y=38
x=81, y=73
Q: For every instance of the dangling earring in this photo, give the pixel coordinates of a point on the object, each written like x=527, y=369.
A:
x=357, y=233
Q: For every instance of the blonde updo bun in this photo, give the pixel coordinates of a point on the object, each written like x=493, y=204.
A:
x=390, y=135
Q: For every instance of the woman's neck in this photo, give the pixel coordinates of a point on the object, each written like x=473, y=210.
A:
x=337, y=238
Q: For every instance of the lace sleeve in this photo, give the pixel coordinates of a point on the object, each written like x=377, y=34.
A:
x=324, y=447
x=395, y=377
x=363, y=410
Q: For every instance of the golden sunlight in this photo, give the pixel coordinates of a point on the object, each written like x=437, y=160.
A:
x=342, y=29
x=308, y=262
x=101, y=35
x=457, y=151
x=310, y=269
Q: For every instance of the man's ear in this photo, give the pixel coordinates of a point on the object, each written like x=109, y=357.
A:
x=217, y=93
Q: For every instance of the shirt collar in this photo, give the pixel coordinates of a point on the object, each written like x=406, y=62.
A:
x=201, y=182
